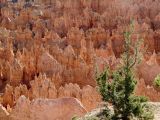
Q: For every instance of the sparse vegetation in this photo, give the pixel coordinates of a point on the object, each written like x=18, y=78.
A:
x=74, y=118
x=119, y=91
x=157, y=81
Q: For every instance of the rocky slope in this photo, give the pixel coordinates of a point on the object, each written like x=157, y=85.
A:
x=154, y=106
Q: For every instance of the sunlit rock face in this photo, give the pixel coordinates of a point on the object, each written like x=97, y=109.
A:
x=58, y=109
x=51, y=48
x=4, y=115
x=43, y=87
x=148, y=70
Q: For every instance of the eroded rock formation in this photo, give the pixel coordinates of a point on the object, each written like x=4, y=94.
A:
x=50, y=48
x=59, y=109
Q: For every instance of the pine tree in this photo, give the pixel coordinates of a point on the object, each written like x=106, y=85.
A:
x=120, y=91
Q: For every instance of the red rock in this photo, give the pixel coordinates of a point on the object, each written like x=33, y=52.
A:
x=58, y=109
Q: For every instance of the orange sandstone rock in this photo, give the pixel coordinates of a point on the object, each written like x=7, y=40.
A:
x=58, y=109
